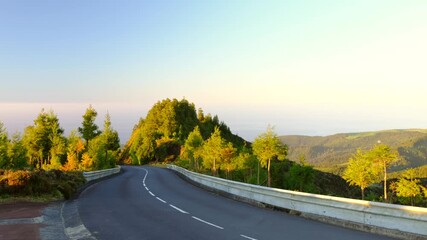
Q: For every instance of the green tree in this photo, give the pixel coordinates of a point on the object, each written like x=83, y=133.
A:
x=17, y=153
x=267, y=147
x=212, y=151
x=360, y=171
x=168, y=122
x=4, y=145
x=44, y=140
x=383, y=156
x=103, y=149
x=89, y=129
x=58, y=148
x=407, y=187
x=301, y=177
x=192, y=147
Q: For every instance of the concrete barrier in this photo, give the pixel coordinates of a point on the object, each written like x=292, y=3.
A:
x=396, y=220
x=93, y=175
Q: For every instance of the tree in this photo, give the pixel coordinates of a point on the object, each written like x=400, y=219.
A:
x=301, y=177
x=168, y=121
x=383, y=156
x=103, y=149
x=17, y=153
x=44, y=140
x=89, y=129
x=408, y=187
x=87, y=162
x=58, y=148
x=360, y=171
x=228, y=162
x=192, y=147
x=4, y=145
x=75, y=147
x=75, y=144
x=110, y=138
x=212, y=151
x=268, y=146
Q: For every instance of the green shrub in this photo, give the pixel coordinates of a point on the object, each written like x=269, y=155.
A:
x=40, y=182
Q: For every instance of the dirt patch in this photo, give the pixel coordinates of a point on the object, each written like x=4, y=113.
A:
x=21, y=210
x=21, y=231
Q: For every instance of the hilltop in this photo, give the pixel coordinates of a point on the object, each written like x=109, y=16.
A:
x=331, y=153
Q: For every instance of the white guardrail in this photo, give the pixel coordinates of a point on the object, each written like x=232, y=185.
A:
x=93, y=175
x=407, y=219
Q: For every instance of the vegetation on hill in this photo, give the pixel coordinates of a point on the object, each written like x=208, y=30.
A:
x=173, y=131
x=331, y=153
x=165, y=129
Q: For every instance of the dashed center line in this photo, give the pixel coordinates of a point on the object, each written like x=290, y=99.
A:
x=161, y=200
x=208, y=223
x=184, y=212
x=179, y=209
x=247, y=237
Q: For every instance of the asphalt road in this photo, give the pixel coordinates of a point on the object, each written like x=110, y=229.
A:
x=154, y=203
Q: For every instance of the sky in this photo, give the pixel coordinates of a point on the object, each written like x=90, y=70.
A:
x=305, y=67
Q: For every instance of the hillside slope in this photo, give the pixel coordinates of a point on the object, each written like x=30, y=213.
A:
x=331, y=153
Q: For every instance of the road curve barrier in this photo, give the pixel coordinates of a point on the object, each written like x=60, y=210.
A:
x=93, y=175
x=388, y=219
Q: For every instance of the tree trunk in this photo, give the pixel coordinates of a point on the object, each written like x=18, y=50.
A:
x=214, y=168
x=269, y=176
x=385, y=182
x=106, y=158
x=363, y=193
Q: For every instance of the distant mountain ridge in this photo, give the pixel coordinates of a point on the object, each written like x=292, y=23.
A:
x=332, y=152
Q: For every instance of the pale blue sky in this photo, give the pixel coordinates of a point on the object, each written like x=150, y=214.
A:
x=307, y=67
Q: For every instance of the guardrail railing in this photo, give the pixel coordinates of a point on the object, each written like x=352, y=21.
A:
x=393, y=217
x=93, y=175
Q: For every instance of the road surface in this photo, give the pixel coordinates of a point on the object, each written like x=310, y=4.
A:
x=154, y=203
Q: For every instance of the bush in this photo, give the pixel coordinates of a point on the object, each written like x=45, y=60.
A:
x=40, y=182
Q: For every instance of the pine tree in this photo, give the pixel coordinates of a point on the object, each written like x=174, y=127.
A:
x=89, y=129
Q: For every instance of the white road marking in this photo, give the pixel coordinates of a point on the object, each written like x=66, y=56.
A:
x=247, y=237
x=146, y=174
x=152, y=194
x=161, y=200
x=146, y=188
x=177, y=208
x=208, y=223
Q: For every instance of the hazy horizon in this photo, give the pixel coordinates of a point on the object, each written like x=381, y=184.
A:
x=305, y=67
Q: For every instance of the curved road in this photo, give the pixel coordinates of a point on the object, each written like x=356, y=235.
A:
x=154, y=203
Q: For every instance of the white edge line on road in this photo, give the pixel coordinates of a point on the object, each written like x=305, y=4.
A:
x=177, y=208
x=247, y=237
x=152, y=194
x=161, y=200
x=203, y=221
